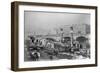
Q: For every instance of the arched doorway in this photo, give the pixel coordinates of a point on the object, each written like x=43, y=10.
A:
x=82, y=40
x=66, y=39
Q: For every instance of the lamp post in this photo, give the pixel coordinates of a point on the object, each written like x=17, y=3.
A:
x=71, y=32
x=61, y=29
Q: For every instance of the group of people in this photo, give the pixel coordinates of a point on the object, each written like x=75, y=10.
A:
x=50, y=47
x=35, y=47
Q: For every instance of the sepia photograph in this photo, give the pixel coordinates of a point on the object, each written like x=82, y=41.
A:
x=56, y=35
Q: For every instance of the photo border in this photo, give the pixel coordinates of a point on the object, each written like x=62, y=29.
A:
x=15, y=34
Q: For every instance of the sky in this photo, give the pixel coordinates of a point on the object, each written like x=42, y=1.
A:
x=46, y=22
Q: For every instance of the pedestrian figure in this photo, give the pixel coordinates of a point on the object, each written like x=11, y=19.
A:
x=35, y=55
